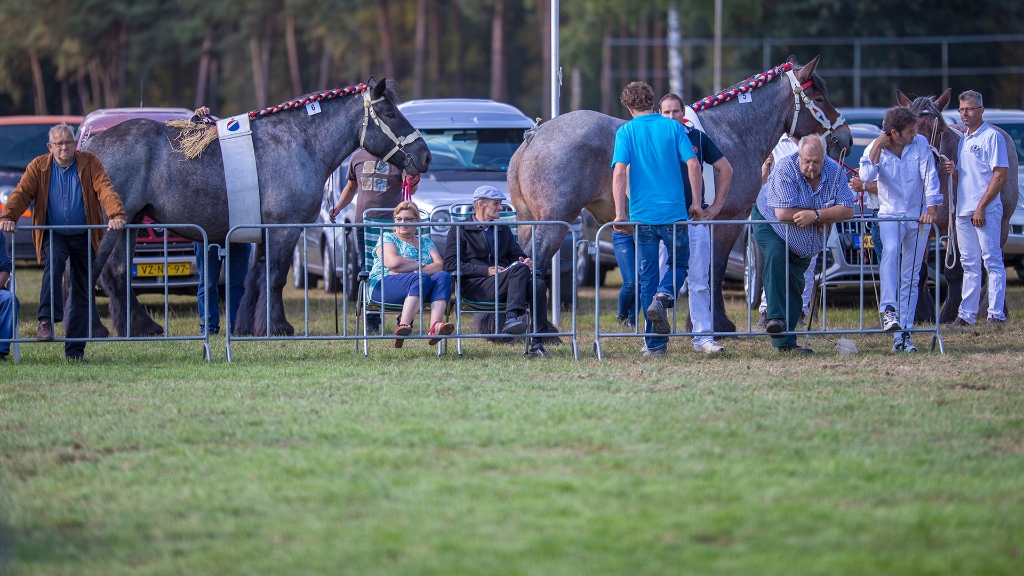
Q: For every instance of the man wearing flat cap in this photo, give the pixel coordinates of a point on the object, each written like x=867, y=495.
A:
x=481, y=253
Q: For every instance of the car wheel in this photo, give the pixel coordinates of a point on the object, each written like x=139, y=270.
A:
x=585, y=266
x=353, y=265
x=753, y=268
x=1020, y=273
x=298, y=277
x=330, y=273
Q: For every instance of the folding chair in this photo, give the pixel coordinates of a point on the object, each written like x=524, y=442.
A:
x=463, y=213
x=366, y=304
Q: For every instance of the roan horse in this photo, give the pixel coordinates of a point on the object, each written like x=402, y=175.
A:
x=565, y=166
x=945, y=141
x=295, y=154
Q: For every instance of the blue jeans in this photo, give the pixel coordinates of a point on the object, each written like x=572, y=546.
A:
x=398, y=287
x=625, y=255
x=8, y=310
x=648, y=238
x=239, y=269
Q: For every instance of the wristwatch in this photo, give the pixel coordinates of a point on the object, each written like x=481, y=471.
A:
x=817, y=217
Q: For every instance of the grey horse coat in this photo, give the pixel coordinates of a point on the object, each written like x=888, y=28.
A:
x=566, y=165
x=295, y=153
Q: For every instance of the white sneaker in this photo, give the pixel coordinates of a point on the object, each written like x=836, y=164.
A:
x=890, y=320
x=710, y=348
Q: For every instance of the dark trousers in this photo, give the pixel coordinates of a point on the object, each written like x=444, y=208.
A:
x=777, y=287
x=73, y=248
x=514, y=290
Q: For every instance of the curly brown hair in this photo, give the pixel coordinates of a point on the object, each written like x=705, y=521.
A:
x=898, y=118
x=638, y=96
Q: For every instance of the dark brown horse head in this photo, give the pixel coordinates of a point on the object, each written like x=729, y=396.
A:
x=930, y=122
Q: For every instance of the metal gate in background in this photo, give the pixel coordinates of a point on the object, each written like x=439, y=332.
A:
x=821, y=295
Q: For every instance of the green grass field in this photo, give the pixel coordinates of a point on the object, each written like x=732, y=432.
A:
x=306, y=458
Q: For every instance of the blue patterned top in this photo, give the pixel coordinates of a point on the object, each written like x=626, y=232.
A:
x=787, y=187
x=405, y=249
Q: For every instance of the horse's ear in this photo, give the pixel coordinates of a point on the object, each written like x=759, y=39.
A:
x=902, y=99
x=379, y=89
x=371, y=82
x=942, y=101
x=804, y=74
x=792, y=60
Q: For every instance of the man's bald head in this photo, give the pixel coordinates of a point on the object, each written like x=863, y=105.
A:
x=812, y=156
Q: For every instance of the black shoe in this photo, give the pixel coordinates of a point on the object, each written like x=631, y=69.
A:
x=657, y=315
x=761, y=321
x=775, y=326
x=513, y=325
x=3, y=356
x=960, y=323
x=76, y=359
x=537, y=351
x=45, y=331
x=794, y=349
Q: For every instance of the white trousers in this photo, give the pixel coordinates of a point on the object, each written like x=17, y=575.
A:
x=698, y=283
x=979, y=245
x=808, y=288
x=903, y=249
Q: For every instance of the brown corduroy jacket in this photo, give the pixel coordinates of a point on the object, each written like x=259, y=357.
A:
x=35, y=185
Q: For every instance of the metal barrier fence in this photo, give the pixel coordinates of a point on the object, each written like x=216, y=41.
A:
x=16, y=341
x=342, y=328
x=681, y=227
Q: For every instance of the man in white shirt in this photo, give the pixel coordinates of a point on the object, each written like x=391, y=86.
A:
x=981, y=174
x=901, y=162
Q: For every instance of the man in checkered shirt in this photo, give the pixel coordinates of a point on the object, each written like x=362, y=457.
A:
x=804, y=193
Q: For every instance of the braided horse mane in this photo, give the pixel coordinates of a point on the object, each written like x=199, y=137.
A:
x=194, y=137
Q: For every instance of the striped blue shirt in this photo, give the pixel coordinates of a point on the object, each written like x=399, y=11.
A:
x=65, y=203
x=787, y=187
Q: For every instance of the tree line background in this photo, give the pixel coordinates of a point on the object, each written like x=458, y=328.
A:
x=71, y=57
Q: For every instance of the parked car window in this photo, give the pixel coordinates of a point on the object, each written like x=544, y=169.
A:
x=22, y=143
x=472, y=148
x=1016, y=131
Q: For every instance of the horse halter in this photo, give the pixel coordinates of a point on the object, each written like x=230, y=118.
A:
x=800, y=94
x=400, y=142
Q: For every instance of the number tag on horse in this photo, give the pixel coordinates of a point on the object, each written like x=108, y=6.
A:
x=313, y=108
x=745, y=98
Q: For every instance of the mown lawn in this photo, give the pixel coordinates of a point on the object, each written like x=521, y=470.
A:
x=306, y=458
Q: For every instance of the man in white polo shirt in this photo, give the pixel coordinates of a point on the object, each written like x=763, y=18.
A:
x=981, y=173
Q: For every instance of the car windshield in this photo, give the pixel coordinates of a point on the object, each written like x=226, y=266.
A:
x=470, y=149
x=21, y=143
x=1016, y=131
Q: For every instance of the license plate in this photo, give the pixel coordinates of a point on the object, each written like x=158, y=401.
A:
x=173, y=269
x=869, y=242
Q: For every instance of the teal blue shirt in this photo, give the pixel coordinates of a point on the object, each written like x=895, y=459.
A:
x=404, y=249
x=653, y=146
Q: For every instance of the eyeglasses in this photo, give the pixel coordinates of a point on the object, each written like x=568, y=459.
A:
x=970, y=109
x=63, y=144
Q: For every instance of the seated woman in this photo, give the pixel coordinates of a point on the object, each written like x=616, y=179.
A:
x=397, y=273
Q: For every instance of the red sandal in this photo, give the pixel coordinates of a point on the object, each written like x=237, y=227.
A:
x=439, y=329
x=402, y=331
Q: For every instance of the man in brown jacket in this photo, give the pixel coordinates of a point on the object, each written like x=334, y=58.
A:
x=68, y=187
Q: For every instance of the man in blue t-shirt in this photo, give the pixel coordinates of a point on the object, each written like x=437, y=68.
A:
x=651, y=147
